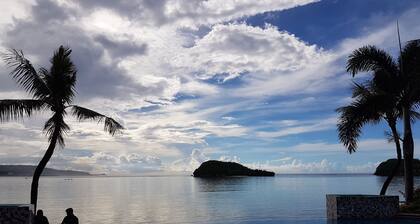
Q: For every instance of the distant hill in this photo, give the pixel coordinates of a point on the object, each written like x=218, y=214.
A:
x=214, y=168
x=27, y=171
x=385, y=168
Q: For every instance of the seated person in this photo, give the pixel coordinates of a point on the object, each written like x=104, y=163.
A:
x=40, y=218
x=70, y=218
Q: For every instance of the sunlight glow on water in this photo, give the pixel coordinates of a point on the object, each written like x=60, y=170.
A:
x=184, y=199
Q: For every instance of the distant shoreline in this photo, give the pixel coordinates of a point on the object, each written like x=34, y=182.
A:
x=28, y=170
x=189, y=175
x=324, y=174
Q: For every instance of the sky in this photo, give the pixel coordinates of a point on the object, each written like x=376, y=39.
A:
x=255, y=82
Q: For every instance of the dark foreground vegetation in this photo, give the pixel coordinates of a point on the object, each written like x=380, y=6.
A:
x=391, y=94
x=414, y=206
x=215, y=168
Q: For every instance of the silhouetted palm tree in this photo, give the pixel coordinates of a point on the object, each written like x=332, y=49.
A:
x=400, y=78
x=53, y=90
x=369, y=105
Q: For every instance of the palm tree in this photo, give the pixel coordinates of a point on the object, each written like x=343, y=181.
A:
x=401, y=79
x=370, y=105
x=53, y=90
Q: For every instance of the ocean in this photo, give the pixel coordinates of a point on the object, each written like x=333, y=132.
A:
x=185, y=199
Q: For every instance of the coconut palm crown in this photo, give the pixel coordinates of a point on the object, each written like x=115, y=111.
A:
x=52, y=90
x=398, y=80
x=369, y=105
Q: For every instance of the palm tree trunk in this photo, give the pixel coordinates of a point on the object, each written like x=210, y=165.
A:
x=399, y=157
x=408, y=149
x=40, y=168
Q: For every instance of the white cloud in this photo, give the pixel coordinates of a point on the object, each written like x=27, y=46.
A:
x=385, y=36
x=364, y=168
x=216, y=11
x=233, y=49
x=14, y=10
x=296, y=166
x=99, y=162
x=184, y=13
x=321, y=146
x=228, y=118
x=137, y=61
x=285, y=159
x=363, y=145
x=189, y=163
x=111, y=164
x=227, y=158
x=197, y=88
x=289, y=165
x=299, y=127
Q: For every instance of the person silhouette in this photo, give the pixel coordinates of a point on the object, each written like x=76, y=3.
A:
x=70, y=218
x=40, y=218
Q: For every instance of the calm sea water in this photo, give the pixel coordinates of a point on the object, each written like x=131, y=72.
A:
x=184, y=199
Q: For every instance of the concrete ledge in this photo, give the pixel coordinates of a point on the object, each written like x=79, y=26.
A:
x=408, y=215
x=16, y=213
x=361, y=206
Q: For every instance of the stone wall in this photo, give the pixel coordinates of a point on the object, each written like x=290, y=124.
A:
x=361, y=206
x=16, y=214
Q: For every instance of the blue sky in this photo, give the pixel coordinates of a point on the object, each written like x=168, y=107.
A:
x=251, y=81
x=328, y=22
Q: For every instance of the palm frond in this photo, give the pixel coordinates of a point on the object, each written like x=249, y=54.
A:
x=17, y=109
x=349, y=127
x=110, y=125
x=370, y=58
x=386, y=83
x=369, y=108
x=410, y=60
x=391, y=138
x=410, y=55
x=414, y=115
x=25, y=74
x=61, y=78
x=56, y=126
x=360, y=90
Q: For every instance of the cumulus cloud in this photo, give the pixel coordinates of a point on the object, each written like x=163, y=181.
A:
x=227, y=158
x=111, y=164
x=13, y=10
x=54, y=28
x=297, y=166
x=233, y=49
x=94, y=162
x=190, y=163
x=289, y=165
x=188, y=13
x=176, y=73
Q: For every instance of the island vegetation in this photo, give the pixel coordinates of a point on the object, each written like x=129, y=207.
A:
x=214, y=168
x=386, y=168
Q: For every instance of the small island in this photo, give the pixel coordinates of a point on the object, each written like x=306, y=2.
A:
x=214, y=168
x=28, y=171
x=385, y=168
